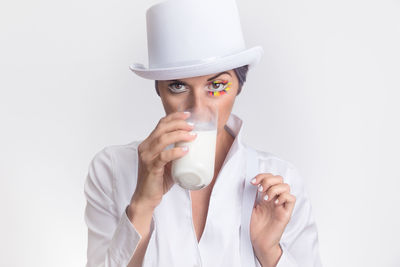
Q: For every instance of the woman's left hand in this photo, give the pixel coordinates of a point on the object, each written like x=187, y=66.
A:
x=269, y=218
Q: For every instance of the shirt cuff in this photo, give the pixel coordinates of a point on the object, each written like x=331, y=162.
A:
x=126, y=239
x=286, y=259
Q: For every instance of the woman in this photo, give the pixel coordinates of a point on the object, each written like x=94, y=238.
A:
x=137, y=215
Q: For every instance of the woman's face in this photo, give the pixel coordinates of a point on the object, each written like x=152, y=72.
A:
x=218, y=88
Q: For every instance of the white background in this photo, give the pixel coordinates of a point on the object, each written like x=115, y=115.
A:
x=325, y=97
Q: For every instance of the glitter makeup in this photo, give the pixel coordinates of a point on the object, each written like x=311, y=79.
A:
x=223, y=91
x=227, y=87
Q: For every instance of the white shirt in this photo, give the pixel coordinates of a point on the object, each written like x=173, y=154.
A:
x=112, y=238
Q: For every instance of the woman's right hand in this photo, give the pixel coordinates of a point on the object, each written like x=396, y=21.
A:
x=154, y=172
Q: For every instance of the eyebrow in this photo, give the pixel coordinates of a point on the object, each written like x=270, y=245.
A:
x=212, y=78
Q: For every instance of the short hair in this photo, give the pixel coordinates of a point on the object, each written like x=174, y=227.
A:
x=241, y=74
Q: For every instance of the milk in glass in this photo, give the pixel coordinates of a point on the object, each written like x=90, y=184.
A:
x=195, y=170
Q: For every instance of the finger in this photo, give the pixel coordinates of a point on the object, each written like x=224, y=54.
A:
x=256, y=180
x=173, y=121
x=283, y=198
x=171, y=138
x=169, y=126
x=175, y=115
x=286, y=199
x=166, y=156
x=276, y=190
x=269, y=181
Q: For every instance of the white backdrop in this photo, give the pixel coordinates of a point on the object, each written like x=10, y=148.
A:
x=323, y=97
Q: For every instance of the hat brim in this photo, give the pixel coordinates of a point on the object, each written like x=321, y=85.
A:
x=249, y=57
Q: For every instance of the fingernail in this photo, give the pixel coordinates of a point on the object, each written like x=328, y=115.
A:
x=190, y=123
x=253, y=181
x=192, y=133
x=266, y=197
x=187, y=112
x=260, y=188
x=184, y=148
x=276, y=201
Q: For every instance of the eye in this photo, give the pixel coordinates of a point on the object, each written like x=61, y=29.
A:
x=218, y=85
x=176, y=87
x=222, y=86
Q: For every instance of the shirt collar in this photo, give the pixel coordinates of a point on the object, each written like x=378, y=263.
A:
x=234, y=126
x=235, y=156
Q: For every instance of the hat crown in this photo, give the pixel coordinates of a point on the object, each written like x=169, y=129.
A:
x=185, y=32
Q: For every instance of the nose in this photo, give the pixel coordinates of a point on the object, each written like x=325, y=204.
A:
x=198, y=98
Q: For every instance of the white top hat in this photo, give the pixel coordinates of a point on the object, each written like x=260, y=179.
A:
x=188, y=38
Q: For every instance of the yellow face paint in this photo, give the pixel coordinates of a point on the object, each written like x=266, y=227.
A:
x=223, y=91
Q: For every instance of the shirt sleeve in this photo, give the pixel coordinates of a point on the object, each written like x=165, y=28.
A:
x=299, y=241
x=112, y=238
x=285, y=260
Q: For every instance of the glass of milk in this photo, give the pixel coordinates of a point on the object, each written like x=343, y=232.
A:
x=195, y=170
